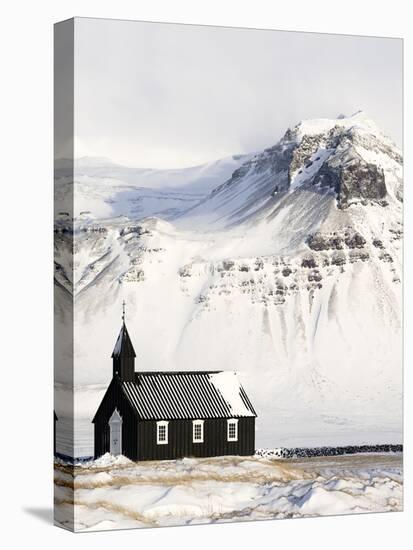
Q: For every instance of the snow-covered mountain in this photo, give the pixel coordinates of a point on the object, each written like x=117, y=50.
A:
x=105, y=189
x=343, y=157
x=288, y=271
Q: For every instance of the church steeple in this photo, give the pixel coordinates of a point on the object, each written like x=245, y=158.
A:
x=123, y=354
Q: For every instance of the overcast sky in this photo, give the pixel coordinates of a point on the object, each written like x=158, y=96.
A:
x=165, y=96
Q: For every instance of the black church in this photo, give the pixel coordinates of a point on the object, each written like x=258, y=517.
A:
x=167, y=415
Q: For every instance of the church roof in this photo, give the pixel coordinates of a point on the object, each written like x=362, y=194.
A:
x=123, y=346
x=187, y=395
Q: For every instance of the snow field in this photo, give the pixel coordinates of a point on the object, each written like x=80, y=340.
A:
x=116, y=493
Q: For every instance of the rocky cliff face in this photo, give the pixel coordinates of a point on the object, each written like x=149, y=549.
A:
x=349, y=158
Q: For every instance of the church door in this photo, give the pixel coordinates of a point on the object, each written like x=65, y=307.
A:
x=115, y=425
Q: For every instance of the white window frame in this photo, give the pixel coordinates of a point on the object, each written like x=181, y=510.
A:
x=232, y=421
x=162, y=424
x=194, y=424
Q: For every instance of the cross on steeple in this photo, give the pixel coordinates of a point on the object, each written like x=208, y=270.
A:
x=123, y=311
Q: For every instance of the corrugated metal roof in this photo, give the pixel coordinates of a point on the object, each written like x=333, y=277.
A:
x=187, y=395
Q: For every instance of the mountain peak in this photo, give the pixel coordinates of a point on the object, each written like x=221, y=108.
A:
x=358, y=120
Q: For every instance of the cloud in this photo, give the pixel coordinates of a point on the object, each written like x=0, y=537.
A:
x=164, y=95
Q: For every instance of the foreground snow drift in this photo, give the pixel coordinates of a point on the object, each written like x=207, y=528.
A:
x=115, y=493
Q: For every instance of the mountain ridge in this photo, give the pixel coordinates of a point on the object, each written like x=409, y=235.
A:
x=313, y=153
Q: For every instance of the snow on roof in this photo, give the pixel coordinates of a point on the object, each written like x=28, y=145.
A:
x=227, y=383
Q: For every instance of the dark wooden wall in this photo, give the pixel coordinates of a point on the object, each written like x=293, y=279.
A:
x=180, y=440
x=114, y=398
x=139, y=437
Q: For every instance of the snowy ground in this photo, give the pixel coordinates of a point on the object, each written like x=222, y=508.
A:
x=112, y=493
